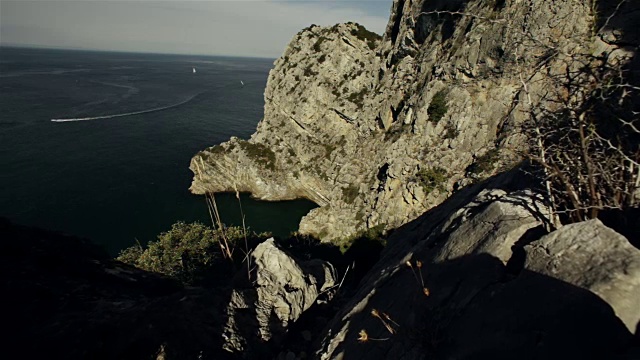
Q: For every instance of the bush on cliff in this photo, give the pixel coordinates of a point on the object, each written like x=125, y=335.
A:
x=365, y=35
x=191, y=253
x=485, y=163
x=438, y=107
x=432, y=179
x=260, y=153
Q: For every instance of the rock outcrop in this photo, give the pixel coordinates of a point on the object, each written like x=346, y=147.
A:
x=399, y=131
x=377, y=131
x=594, y=257
x=64, y=298
x=278, y=290
x=479, y=277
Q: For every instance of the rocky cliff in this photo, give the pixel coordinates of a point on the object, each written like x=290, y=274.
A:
x=479, y=277
x=379, y=130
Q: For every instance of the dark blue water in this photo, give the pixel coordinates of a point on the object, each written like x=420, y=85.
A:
x=118, y=179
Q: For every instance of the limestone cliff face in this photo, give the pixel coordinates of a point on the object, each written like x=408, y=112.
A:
x=479, y=277
x=362, y=125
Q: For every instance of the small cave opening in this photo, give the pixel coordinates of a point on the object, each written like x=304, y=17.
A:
x=383, y=174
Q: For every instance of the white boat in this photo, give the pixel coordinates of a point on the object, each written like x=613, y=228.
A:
x=194, y=70
x=241, y=82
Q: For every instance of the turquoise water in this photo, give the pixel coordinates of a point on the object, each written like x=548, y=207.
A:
x=115, y=179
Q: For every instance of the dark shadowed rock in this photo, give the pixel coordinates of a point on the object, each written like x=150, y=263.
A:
x=493, y=291
x=594, y=257
x=64, y=298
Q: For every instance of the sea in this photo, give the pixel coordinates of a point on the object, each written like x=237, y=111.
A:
x=98, y=144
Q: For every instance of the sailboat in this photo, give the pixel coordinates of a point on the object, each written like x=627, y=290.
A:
x=194, y=70
x=241, y=82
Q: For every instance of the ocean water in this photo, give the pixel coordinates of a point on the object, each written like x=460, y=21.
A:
x=113, y=166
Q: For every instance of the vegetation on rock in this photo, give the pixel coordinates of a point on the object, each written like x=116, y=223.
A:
x=371, y=237
x=317, y=46
x=190, y=253
x=365, y=35
x=450, y=131
x=432, y=179
x=484, y=163
x=358, y=97
x=438, y=106
x=350, y=193
x=260, y=153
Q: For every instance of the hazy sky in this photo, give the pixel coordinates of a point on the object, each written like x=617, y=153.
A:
x=233, y=27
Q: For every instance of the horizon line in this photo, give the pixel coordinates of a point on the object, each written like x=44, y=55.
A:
x=141, y=52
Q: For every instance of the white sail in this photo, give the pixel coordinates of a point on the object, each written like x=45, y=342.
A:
x=194, y=70
x=241, y=82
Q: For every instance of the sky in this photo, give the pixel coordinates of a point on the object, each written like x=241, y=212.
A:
x=257, y=28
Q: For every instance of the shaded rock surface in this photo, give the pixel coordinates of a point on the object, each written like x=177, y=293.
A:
x=611, y=266
x=276, y=291
x=349, y=120
x=64, y=298
x=498, y=287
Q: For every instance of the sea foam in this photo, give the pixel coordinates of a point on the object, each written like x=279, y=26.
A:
x=129, y=113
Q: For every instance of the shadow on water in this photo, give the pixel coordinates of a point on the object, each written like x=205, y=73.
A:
x=280, y=218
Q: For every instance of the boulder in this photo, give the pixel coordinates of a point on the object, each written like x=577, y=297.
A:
x=480, y=277
x=270, y=296
x=594, y=257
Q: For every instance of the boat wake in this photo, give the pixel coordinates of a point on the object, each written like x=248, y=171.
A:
x=129, y=113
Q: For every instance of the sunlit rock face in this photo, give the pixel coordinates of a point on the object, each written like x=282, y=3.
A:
x=379, y=130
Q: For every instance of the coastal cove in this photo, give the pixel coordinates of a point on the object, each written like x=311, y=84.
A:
x=118, y=179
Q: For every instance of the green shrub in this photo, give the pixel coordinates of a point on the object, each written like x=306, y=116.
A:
x=188, y=252
x=438, y=107
x=485, y=163
x=365, y=35
x=216, y=149
x=318, y=43
x=350, y=193
x=328, y=149
x=212, y=150
x=260, y=153
x=373, y=235
x=308, y=72
x=310, y=27
x=432, y=179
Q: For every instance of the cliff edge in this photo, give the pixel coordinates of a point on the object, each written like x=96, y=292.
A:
x=377, y=130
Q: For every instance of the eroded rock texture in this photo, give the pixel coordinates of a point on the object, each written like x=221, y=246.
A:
x=354, y=123
x=498, y=287
x=276, y=291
